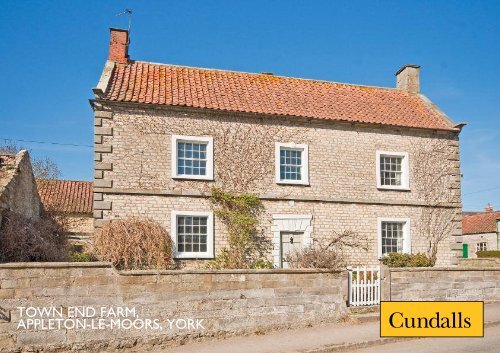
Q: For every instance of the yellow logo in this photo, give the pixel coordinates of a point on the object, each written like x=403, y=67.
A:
x=431, y=319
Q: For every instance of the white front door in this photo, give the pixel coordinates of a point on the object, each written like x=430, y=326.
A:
x=291, y=242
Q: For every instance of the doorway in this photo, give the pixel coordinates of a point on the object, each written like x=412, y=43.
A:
x=286, y=226
x=291, y=242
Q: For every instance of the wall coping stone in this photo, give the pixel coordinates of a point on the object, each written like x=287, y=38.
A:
x=422, y=269
x=26, y=265
x=9, y=265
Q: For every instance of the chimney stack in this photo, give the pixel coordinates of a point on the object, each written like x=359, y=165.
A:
x=488, y=208
x=118, y=45
x=407, y=79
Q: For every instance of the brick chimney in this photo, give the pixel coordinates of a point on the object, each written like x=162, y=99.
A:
x=488, y=208
x=118, y=45
x=407, y=79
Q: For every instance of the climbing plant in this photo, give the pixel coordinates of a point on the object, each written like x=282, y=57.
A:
x=240, y=214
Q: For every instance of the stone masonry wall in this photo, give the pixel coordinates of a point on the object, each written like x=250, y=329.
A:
x=79, y=224
x=229, y=302
x=18, y=191
x=133, y=173
x=480, y=262
x=79, y=228
x=327, y=218
x=342, y=158
x=436, y=284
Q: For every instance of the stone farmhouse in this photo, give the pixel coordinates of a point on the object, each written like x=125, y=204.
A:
x=481, y=231
x=324, y=157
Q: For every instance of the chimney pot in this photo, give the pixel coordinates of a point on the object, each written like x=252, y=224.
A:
x=488, y=208
x=118, y=45
x=407, y=78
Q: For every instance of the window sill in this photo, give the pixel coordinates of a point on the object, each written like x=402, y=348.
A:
x=298, y=182
x=193, y=256
x=193, y=177
x=393, y=188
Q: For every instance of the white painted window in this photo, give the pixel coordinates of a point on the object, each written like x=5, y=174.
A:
x=192, y=157
x=291, y=163
x=393, y=236
x=393, y=170
x=481, y=246
x=192, y=234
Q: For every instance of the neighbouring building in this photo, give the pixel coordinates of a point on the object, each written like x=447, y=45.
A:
x=71, y=201
x=18, y=192
x=481, y=231
x=324, y=157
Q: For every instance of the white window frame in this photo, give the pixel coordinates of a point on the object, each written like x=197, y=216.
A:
x=479, y=246
x=405, y=169
x=210, y=156
x=209, y=254
x=406, y=233
x=305, y=163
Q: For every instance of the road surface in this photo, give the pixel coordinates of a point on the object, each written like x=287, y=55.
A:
x=490, y=343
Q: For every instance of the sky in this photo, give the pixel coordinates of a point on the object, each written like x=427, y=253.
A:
x=52, y=54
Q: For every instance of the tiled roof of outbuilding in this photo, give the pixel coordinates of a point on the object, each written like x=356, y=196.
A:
x=483, y=222
x=159, y=84
x=67, y=196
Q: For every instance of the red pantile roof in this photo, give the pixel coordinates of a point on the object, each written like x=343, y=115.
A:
x=483, y=222
x=66, y=196
x=141, y=82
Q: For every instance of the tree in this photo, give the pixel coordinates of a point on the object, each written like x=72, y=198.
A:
x=434, y=172
x=43, y=168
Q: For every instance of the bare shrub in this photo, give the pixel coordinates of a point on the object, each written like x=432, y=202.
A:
x=22, y=240
x=316, y=257
x=134, y=243
x=330, y=254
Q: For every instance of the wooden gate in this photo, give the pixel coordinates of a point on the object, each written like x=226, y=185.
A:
x=364, y=286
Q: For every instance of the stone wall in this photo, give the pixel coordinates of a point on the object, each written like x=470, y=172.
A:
x=436, y=284
x=79, y=228
x=326, y=219
x=133, y=173
x=18, y=191
x=229, y=302
x=79, y=224
x=342, y=158
x=480, y=262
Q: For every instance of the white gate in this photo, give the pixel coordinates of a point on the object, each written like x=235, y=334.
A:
x=364, y=286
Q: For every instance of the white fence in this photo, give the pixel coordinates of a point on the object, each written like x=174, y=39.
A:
x=364, y=286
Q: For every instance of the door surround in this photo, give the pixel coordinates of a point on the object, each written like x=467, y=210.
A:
x=289, y=223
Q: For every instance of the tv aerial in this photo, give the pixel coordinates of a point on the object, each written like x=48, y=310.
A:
x=127, y=12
